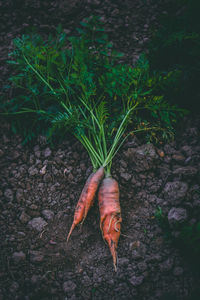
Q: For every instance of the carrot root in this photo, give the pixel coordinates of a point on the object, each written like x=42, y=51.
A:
x=110, y=215
x=70, y=232
x=86, y=199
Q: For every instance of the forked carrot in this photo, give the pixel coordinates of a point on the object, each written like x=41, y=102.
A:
x=110, y=214
x=86, y=199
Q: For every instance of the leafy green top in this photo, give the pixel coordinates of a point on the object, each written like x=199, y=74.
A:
x=78, y=84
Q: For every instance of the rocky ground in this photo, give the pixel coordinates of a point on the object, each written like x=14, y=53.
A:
x=40, y=185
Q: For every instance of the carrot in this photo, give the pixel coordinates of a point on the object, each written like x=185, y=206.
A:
x=86, y=199
x=110, y=214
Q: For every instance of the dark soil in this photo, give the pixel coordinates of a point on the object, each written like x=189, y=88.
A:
x=40, y=186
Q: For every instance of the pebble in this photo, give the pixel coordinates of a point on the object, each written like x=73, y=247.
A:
x=186, y=172
x=142, y=266
x=177, y=216
x=33, y=207
x=38, y=154
x=36, y=256
x=136, y=281
x=123, y=261
x=9, y=194
x=47, y=152
x=69, y=286
x=18, y=257
x=125, y=176
x=187, y=150
x=175, y=192
x=48, y=214
x=21, y=234
x=43, y=170
x=37, y=224
x=32, y=171
x=178, y=157
x=24, y=218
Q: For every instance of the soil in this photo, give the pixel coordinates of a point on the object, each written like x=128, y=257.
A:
x=40, y=185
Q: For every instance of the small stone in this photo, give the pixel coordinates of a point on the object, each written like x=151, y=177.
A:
x=178, y=271
x=48, y=214
x=178, y=157
x=142, y=266
x=36, y=148
x=47, y=152
x=177, y=215
x=123, y=261
x=37, y=224
x=18, y=257
x=33, y=207
x=43, y=170
x=9, y=194
x=21, y=234
x=187, y=150
x=38, y=154
x=33, y=213
x=125, y=176
x=24, y=218
x=188, y=159
x=134, y=245
x=175, y=192
x=136, y=281
x=51, y=242
x=69, y=286
x=36, y=256
x=32, y=171
x=186, y=172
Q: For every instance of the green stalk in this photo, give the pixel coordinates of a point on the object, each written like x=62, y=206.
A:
x=93, y=160
x=39, y=75
x=24, y=111
x=118, y=136
x=92, y=150
x=104, y=141
x=92, y=114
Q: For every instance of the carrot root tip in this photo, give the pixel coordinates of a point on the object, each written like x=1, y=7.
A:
x=70, y=232
x=115, y=267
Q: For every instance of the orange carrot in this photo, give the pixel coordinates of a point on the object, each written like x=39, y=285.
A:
x=86, y=199
x=110, y=214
